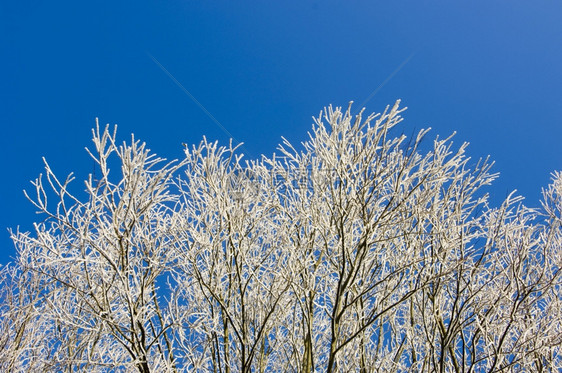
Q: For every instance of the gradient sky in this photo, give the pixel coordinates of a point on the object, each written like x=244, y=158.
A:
x=490, y=70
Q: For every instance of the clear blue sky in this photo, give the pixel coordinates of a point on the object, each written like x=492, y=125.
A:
x=490, y=70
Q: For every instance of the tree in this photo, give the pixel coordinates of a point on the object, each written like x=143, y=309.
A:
x=361, y=251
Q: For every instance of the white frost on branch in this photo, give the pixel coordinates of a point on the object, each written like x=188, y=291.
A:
x=360, y=252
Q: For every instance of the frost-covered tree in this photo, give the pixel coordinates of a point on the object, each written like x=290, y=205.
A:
x=361, y=250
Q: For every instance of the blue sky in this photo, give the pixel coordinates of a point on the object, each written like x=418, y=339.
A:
x=490, y=70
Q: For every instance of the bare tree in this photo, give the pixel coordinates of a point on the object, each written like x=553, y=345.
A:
x=102, y=262
x=360, y=251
